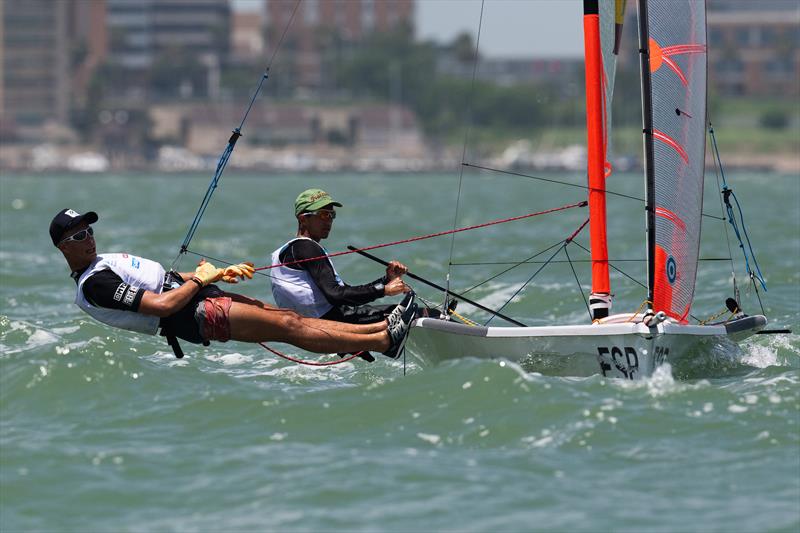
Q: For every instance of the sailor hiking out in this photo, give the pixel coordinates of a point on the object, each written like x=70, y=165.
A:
x=134, y=293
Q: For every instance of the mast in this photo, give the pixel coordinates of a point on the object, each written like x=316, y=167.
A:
x=647, y=134
x=600, y=299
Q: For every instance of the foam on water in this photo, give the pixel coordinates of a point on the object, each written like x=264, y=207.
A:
x=107, y=431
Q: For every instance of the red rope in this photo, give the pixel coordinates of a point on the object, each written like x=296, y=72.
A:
x=308, y=363
x=430, y=236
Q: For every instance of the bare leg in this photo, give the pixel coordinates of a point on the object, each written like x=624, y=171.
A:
x=252, y=323
x=375, y=327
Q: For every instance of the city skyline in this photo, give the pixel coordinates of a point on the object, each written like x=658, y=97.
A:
x=510, y=28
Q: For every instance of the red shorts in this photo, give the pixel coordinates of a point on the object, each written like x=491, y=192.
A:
x=213, y=317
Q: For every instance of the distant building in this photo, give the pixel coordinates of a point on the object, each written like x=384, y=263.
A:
x=753, y=47
x=373, y=127
x=48, y=51
x=755, y=53
x=247, y=35
x=324, y=27
x=140, y=30
x=180, y=43
x=511, y=71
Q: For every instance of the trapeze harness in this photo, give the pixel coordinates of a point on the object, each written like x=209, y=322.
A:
x=137, y=272
x=295, y=289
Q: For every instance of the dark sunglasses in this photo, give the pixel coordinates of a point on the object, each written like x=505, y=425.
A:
x=324, y=214
x=81, y=235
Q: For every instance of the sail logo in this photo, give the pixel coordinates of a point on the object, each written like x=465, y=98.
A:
x=672, y=270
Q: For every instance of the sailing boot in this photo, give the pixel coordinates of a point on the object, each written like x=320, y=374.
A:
x=399, y=332
x=400, y=308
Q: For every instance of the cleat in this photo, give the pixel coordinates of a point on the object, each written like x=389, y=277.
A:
x=399, y=333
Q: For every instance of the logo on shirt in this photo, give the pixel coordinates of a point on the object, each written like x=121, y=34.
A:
x=130, y=296
x=135, y=262
x=120, y=291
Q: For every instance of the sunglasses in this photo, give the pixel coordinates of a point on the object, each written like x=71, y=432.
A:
x=324, y=214
x=81, y=235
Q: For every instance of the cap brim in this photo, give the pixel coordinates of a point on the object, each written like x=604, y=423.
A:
x=320, y=204
x=90, y=218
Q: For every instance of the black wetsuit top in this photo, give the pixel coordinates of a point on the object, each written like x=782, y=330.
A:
x=340, y=296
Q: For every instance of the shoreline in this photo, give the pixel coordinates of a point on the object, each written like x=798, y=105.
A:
x=48, y=159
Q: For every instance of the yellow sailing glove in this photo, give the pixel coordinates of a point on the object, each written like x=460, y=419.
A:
x=207, y=273
x=242, y=270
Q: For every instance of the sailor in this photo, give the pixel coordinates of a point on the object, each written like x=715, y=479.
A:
x=307, y=280
x=130, y=292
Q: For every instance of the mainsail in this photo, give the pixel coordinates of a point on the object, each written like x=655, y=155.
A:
x=672, y=36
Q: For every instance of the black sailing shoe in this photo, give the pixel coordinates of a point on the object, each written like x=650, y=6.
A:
x=400, y=308
x=399, y=332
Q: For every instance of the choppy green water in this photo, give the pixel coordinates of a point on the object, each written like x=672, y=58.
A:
x=103, y=430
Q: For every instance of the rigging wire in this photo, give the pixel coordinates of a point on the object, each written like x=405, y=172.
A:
x=566, y=183
x=526, y=282
x=615, y=268
x=429, y=236
x=578, y=282
x=728, y=193
x=468, y=122
x=221, y=164
x=226, y=154
x=528, y=262
x=515, y=265
x=724, y=226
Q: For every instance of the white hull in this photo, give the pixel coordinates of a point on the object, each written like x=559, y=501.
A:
x=614, y=348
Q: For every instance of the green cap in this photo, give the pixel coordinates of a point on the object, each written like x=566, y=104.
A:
x=313, y=199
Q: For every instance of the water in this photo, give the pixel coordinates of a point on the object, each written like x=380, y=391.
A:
x=105, y=430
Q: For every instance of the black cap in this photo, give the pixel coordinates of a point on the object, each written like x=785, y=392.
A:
x=66, y=219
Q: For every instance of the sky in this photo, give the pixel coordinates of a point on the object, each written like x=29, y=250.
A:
x=510, y=28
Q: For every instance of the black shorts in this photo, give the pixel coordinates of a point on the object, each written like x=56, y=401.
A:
x=183, y=324
x=360, y=314
x=369, y=314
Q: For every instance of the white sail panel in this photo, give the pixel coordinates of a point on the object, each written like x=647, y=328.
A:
x=677, y=65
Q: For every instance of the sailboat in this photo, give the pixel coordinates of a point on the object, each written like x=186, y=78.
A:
x=673, y=63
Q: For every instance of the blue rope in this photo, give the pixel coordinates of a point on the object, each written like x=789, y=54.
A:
x=226, y=154
x=727, y=193
x=221, y=164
